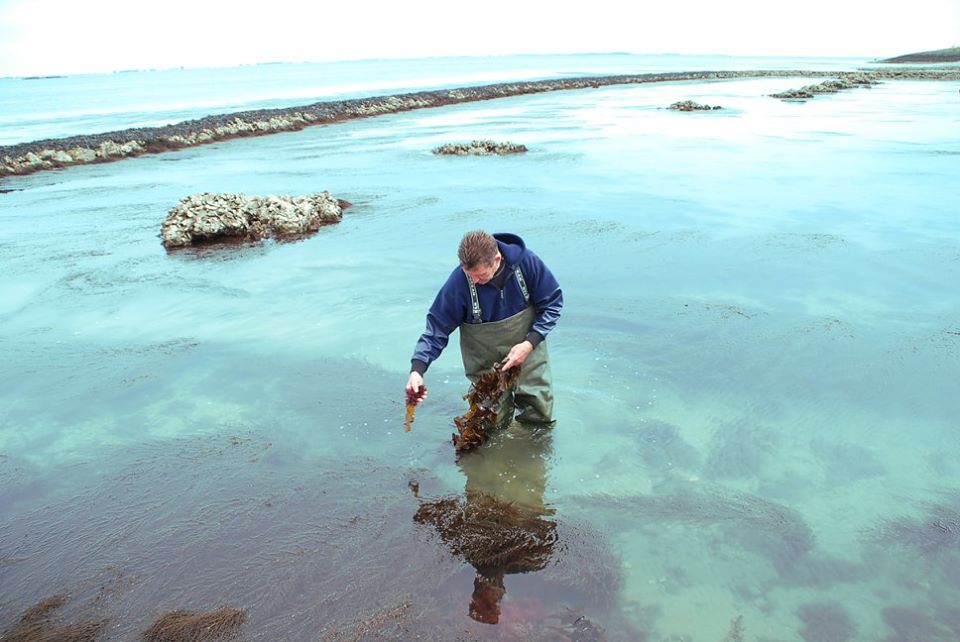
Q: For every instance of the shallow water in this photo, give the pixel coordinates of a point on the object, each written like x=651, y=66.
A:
x=755, y=374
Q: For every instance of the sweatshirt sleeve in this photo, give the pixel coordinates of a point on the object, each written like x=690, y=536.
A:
x=545, y=292
x=445, y=315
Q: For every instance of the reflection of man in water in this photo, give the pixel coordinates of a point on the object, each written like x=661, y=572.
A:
x=505, y=301
x=500, y=527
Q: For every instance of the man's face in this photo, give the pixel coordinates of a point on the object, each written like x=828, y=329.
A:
x=481, y=273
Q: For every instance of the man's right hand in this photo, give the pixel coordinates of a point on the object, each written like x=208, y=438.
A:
x=415, y=387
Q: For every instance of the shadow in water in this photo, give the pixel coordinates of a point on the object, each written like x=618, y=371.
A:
x=502, y=526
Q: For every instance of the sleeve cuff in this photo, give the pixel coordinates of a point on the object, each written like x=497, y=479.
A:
x=535, y=338
x=420, y=367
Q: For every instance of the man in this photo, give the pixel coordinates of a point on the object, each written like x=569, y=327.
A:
x=505, y=302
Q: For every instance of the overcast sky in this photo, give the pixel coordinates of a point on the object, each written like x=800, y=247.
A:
x=45, y=37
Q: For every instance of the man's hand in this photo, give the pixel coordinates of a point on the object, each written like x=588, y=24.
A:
x=517, y=355
x=415, y=387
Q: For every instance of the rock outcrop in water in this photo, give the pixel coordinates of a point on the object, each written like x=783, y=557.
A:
x=845, y=81
x=479, y=148
x=208, y=218
x=689, y=105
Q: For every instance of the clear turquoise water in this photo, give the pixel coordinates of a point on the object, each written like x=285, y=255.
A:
x=755, y=373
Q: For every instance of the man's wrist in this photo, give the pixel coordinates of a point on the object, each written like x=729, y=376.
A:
x=418, y=366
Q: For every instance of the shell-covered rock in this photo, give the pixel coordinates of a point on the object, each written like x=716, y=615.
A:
x=689, y=105
x=843, y=81
x=205, y=218
x=479, y=148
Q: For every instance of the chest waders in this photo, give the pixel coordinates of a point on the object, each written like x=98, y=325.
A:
x=483, y=344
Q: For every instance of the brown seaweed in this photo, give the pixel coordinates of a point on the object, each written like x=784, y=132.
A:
x=495, y=537
x=484, y=396
x=35, y=625
x=490, y=533
x=187, y=626
x=413, y=398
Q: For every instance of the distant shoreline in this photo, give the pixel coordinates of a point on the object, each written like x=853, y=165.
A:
x=938, y=56
x=28, y=158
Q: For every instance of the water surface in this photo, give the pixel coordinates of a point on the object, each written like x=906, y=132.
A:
x=755, y=374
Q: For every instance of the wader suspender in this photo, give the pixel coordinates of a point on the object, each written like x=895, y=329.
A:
x=475, y=300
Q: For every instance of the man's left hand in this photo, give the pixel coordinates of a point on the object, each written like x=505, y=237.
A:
x=517, y=355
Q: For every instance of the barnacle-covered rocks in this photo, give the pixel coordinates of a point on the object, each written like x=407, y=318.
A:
x=689, y=105
x=205, y=218
x=843, y=81
x=479, y=148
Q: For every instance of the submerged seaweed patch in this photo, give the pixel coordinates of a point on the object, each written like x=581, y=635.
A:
x=661, y=446
x=776, y=522
x=35, y=625
x=931, y=536
x=739, y=450
x=490, y=533
x=911, y=625
x=826, y=622
x=188, y=626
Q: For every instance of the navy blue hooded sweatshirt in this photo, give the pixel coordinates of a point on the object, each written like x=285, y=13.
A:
x=501, y=298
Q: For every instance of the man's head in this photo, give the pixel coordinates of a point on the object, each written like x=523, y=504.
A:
x=479, y=256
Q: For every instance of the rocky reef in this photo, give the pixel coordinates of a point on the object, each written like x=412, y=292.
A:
x=209, y=218
x=845, y=81
x=30, y=157
x=689, y=105
x=479, y=148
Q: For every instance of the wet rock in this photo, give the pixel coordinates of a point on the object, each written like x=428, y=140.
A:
x=689, y=105
x=82, y=155
x=844, y=81
x=479, y=148
x=206, y=218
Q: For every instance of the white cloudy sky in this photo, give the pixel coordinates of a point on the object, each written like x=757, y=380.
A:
x=39, y=37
